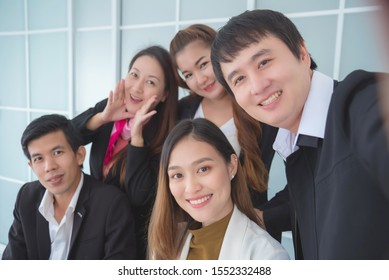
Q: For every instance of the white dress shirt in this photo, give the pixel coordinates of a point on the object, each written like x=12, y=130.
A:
x=60, y=234
x=314, y=116
x=228, y=128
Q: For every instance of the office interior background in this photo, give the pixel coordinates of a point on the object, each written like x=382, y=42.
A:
x=62, y=56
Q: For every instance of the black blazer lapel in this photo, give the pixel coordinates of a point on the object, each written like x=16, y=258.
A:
x=42, y=236
x=79, y=213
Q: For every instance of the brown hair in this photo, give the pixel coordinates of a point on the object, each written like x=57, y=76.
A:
x=169, y=223
x=166, y=111
x=249, y=130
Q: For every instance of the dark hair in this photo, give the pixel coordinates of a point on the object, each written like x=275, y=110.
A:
x=47, y=124
x=166, y=111
x=194, y=32
x=249, y=130
x=251, y=27
x=166, y=230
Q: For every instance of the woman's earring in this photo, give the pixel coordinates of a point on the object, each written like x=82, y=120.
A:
x=232, y=177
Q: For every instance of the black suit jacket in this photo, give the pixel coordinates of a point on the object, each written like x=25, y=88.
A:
x=339, y=185
x=141, y=169
x=276, y=211
x=103, y=226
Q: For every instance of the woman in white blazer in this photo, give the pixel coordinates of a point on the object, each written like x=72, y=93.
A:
x=203, y=208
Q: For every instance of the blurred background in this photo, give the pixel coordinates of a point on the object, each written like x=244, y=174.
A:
x=62, y=56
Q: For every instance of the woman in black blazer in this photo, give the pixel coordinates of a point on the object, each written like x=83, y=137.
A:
x=190, y=51
x=127, y=131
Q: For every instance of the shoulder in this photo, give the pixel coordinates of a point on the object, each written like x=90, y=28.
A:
x=29, y=195
x=98, y=189
x=355, y=85
x=32, y=189
x=188, y=105
x=357, y=95
x=259, y=244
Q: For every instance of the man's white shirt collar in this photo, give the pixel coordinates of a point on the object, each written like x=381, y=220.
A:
x=46, y=207
x=314, y=116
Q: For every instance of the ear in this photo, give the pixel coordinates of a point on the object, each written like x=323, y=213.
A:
x=80, y=155
x=30, y=163
x=233, y=167
x=304, y=55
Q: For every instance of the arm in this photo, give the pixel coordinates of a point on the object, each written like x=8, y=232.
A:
x=141, y=172
x=120, y=230
x=276, y=212
x=106, y=111
x=366, y=128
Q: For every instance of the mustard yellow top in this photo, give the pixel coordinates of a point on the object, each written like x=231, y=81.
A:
x=207, y=241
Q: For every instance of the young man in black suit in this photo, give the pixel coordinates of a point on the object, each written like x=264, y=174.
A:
x=66, y=214
x=331, y=135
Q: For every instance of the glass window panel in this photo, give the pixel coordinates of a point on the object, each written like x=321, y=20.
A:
x=8, y=193
x=360, y=50
x=147, y=11
x=88, y=13
x=12, y=71
x=297, y=6
x=321, y=45
x=94, y=69
x=204, y=9
x=360, y=3
x=13, y=163
x=48, y=71
x=45, y=14
x=11, y=15
x=134, y=40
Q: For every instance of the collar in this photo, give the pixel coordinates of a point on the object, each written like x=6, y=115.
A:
x=46, y=207
x=313, y=118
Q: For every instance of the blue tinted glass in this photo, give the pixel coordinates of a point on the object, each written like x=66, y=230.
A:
x=12, y=71
x=88, y=13
x=11, y=15
x=49, y=76
x=46, y=14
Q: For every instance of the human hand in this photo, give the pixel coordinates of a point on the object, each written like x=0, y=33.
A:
x=141, y=117
x=115, y=108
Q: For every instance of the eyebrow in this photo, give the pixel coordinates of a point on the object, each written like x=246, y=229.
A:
x=200, y=160
x=150, y=76
x=253, y=58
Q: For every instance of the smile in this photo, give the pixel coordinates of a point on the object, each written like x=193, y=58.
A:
x=209, y=87
x=271, y=99
x=200, y=200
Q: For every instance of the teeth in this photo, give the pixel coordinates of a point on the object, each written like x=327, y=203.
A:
x=201, y=200
x=271, y=99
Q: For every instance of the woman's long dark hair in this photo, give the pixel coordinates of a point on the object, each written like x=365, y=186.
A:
x=168, y=224
x=165, y=117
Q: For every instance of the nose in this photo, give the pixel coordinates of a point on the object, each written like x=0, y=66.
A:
x=201, y=78
x=258, y=84
x=138, y=85
x=192, y=185
x=50, y=164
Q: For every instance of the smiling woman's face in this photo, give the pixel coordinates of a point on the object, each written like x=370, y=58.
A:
x=144, y=80
x=200, y=180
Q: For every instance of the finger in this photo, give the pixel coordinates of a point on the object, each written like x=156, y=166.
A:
x=147, y=116
x=110, y=97
x=121, y=90
x=116, y=92
x=148, y=105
